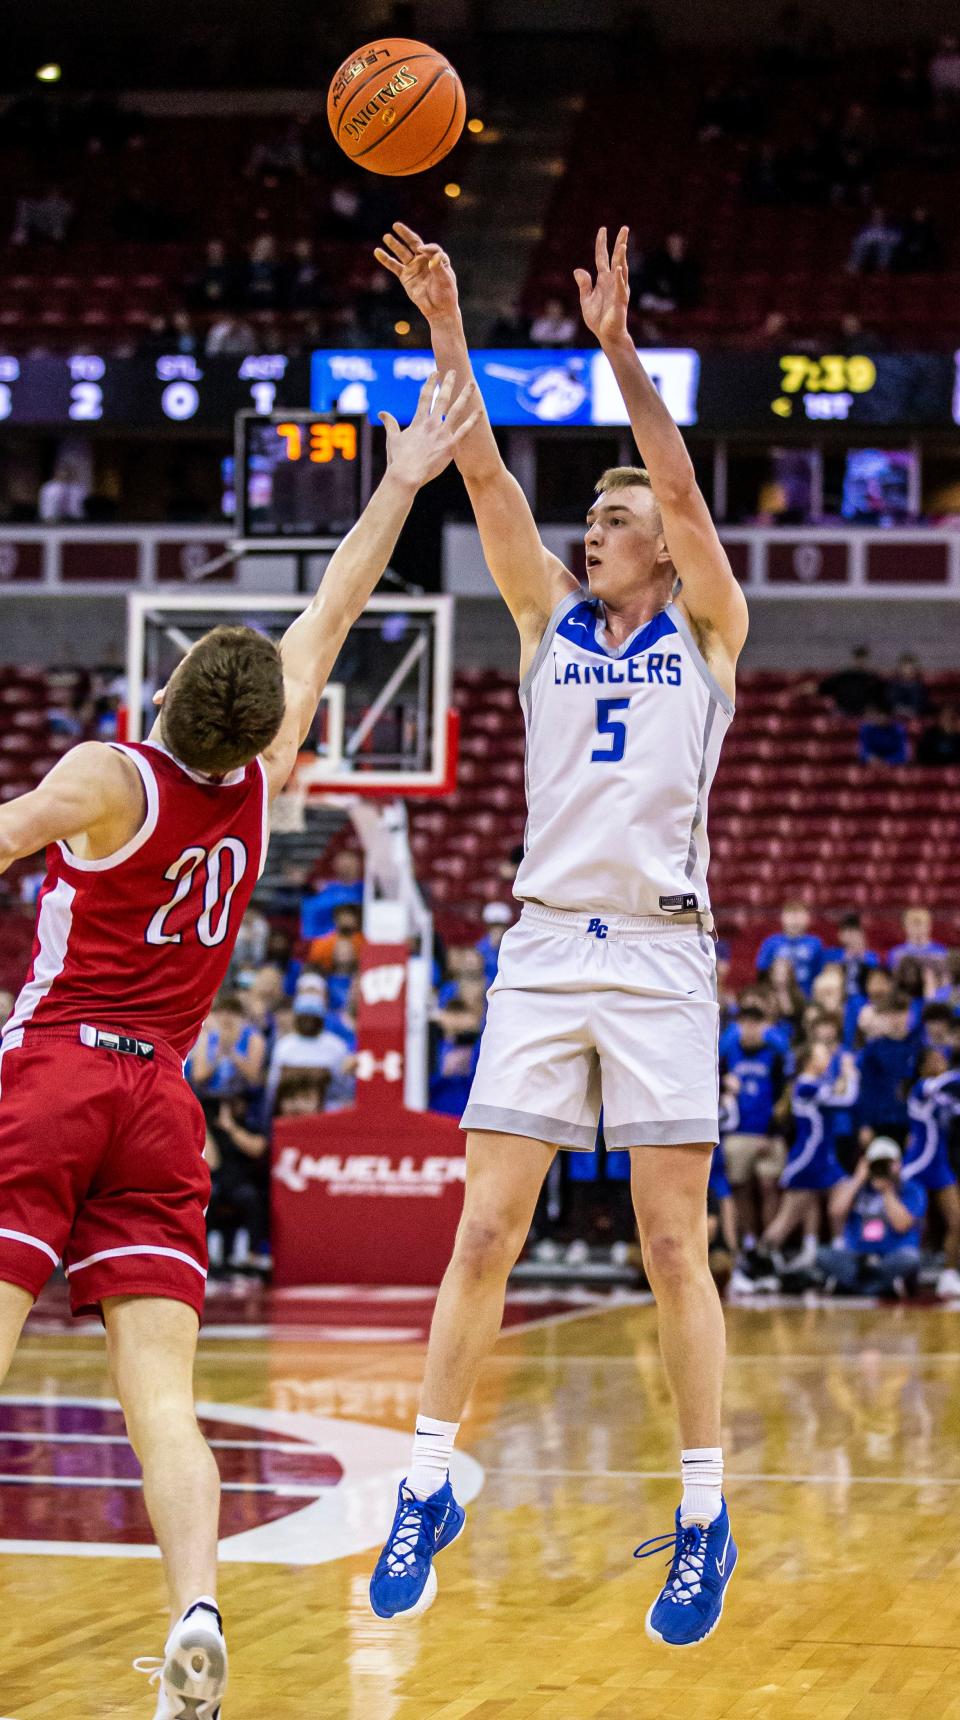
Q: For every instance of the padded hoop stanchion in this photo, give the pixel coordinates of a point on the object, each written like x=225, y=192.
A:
x=344, y=1179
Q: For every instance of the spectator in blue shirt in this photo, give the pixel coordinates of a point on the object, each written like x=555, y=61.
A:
x=887, y=1071
x=751, y=1056
x=851, y=953
x=917, y=926
x=802, y=949
x=497, y=916
x=882, y=739
x=344, y=885
x=263, y=995
x=860, y=1016
x=938, y=1023
x=948, y=989
x=457, y=1026
x=934, y=1105
x=879, y=1252
x=229, y=1058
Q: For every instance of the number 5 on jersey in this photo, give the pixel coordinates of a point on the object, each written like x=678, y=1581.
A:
x=617, y=731
x=219, y=883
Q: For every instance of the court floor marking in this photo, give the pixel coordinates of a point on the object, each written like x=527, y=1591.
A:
x=46, y=1436
x=783, y=1358
x=278, y=1490
x=232, y=1353
x=570, y=1314
x=840, y=1478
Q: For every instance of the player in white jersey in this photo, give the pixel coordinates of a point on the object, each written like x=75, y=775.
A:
x=606, y=989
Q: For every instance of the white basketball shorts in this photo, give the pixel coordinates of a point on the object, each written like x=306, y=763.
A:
x=588, y=1011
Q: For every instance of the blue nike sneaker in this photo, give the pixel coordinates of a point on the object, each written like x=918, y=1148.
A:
x=689, y=1605
x=404, y=1580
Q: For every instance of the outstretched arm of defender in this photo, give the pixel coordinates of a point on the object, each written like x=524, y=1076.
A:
x=710, y=593
x=92, y=791
x=310, y=648
x=529, y=578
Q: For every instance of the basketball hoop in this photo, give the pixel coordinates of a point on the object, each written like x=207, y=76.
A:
x=317, y=782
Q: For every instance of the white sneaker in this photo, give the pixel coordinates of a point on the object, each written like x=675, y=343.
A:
x=193, y=1672
x=948, y=1283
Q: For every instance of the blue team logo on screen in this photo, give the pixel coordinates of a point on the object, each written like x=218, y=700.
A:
x=556, y=392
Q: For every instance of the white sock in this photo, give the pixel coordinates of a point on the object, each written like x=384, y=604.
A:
x=701, y=1470
x=201, y=1600
x=432, y=1451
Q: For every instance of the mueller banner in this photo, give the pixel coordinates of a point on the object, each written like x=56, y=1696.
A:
x=372, y=1194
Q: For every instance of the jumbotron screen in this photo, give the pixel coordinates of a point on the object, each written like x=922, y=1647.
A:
x=301, y=475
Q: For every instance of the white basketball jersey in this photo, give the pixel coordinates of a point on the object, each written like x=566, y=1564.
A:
x=622, y=746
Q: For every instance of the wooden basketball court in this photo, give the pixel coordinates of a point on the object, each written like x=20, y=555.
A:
x=841, y=1430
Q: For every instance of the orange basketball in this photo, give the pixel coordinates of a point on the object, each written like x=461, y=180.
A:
x=396, y=106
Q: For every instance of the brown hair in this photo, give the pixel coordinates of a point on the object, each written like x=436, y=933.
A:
x=302, y=1084
x=224, y=703
x=625, y=478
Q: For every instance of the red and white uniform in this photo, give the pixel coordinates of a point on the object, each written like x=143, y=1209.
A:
x=100, y=1136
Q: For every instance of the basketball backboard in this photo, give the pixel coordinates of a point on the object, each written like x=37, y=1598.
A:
x=383, y=721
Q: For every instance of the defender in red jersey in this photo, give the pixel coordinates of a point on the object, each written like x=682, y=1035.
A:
x=153, y=854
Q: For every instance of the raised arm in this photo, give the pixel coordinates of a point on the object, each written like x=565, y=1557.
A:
x=530, y=579
x=311, y=646
x=710, y=595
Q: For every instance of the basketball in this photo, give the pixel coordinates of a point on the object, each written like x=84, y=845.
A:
x=396, y=106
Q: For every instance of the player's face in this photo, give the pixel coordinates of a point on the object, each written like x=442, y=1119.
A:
x=624, y=543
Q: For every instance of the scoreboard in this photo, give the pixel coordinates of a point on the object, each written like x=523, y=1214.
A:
x=140, y=394
x=300, y=474
x=756, y=392
x=720, y=392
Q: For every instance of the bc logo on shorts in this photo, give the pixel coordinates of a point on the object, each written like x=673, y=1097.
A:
x=597, y=929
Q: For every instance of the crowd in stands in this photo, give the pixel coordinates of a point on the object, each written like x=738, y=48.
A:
x=805, y=183
x=840, y=1094
x=898, y=722
x=281, y=259
x=130, y=234
x=840, y=1076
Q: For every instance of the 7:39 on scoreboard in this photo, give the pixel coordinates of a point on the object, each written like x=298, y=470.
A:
x=300, y=474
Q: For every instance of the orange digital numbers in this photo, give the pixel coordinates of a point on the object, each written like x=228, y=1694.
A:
x=345, y=440
x=327, y=441
x=292, y=439
x=324, y=442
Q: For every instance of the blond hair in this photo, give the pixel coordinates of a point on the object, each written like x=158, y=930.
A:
x=625, y=478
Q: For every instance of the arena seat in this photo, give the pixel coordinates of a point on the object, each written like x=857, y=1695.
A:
x=756, y=258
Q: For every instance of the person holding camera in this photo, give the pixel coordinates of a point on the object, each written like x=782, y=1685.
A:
x=879, y=1251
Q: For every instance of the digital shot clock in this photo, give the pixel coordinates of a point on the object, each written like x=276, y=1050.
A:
x=300, y=475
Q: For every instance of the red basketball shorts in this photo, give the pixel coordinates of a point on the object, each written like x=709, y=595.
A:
x=101, y=1167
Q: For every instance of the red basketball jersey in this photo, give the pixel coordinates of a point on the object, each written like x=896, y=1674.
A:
x=142, y=940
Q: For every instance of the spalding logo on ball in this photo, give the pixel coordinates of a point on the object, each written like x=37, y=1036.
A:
x=396, y=106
